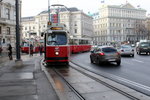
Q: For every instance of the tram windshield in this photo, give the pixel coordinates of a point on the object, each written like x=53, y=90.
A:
x=57, y=38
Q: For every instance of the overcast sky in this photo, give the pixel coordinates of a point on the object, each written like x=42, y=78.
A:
x=34, y=7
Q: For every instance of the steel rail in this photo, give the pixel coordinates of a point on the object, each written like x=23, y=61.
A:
x=104, y=83
x=69, y=85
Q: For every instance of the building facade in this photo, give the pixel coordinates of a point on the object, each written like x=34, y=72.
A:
x=77, y=23
x=123, y=23
x=8, y=22
x=148, y=27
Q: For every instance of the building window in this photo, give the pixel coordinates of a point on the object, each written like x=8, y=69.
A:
x=75, y=24
x=29, y=27
x=8, y=13
x=8, y=30
x=3, y=40
x=9, y=40
x=75, y=31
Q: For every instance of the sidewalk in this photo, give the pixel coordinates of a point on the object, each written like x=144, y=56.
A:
x=25, y=83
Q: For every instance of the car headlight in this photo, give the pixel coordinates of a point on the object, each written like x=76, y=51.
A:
x=56, y=53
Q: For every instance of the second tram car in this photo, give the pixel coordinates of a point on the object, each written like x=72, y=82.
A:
x=79, y=45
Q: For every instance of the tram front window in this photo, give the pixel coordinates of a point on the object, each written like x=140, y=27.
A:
x=57, y=39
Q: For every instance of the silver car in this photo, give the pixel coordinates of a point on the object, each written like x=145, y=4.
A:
x=126, y=50
x=105, y=54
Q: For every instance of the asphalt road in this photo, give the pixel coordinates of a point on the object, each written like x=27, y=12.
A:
x=133, y=71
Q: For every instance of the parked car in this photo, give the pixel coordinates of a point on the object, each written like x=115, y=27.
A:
x=143, y=47
x=126, y=50
x=105, y=54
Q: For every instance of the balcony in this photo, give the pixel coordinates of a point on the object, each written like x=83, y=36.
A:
x=5, y=21
x=2, y=20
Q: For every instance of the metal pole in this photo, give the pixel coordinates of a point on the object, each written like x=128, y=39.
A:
x=17, y=32
x=49, y=10
x=29, y=44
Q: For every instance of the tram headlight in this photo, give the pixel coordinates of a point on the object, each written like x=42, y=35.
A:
x=56, y=53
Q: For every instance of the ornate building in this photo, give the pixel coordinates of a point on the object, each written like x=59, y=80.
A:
x=77, y=23
x=7, y=22
x=119, y=23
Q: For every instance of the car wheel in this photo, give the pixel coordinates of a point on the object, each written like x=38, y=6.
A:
x=91, y=60
x=132, y=55
x=97, y=61
x=100, y=62
x=118, y=62
x=138, y=52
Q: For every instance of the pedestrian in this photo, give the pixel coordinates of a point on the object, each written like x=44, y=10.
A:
x=10, y=52
x=31, y=50
x=1, y=50
x=41, y=49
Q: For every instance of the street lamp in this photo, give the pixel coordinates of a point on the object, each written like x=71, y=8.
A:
x=17, y=31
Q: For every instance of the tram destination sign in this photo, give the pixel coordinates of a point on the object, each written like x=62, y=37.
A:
x=56, y=28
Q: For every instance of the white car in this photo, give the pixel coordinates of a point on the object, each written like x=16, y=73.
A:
x=126, y=50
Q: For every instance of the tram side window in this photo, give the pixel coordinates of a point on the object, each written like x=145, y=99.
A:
x=83, y=41
x=24, y=44
x=71, y=41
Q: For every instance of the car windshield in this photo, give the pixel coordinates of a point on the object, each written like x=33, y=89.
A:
x=145, y=44
x=109, y=49
x=57, y=38
x=125, y=46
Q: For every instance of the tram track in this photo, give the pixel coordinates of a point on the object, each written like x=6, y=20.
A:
x=80, y=95
x=99, y=81
x=70, y=86
x=105, y=84
x=54, y=71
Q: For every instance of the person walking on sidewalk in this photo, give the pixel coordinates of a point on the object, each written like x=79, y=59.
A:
x=1, y=50
x=41, y=49
x=10, y=52
x=31, y=50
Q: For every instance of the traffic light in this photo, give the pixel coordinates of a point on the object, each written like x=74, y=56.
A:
x=49, y=23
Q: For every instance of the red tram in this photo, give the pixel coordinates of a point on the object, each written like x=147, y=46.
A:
x=25, y=47
x=56, y=44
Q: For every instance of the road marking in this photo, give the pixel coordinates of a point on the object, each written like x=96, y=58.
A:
x=137, y=60
x=133, y=83
x=110, y=76
x=147, y=88
x=127, y=62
